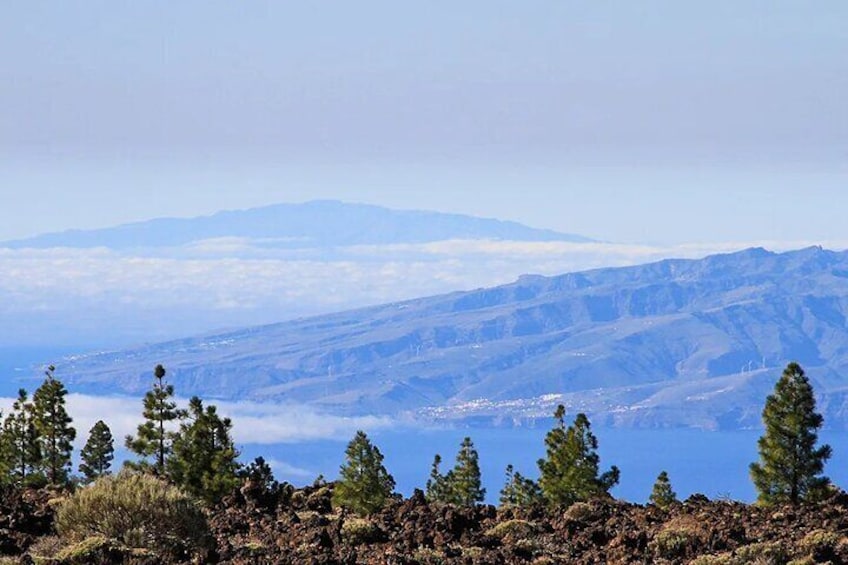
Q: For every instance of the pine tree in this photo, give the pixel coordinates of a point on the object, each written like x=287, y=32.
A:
x=519, y=491
x=436, y=490
x=464, y=483
x=364, y=485
x=461, y=485
x=153, y=438
x=790, y=465
x=98, y=453
x=662, y=494
x=259, y=472
x=569, y=473
x=203, y=457
x=54, y=429
x=21, y=446
x=5, y=457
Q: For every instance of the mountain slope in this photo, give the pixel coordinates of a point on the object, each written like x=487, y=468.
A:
x=311, y=224
x=679, y=342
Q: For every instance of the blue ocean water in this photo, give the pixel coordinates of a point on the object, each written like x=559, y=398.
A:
x=711, y=463
x=19, y=366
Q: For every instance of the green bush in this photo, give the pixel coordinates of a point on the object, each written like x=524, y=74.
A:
x=45, y=548
x=358, y=531
x=136, y=511
x=764, y=553
x=761, y=554
x=720, y=559
x=579, y=512
x=820, y=544
x=512, y=530
x=96, y=549
x=428, y=556
x=674, y=543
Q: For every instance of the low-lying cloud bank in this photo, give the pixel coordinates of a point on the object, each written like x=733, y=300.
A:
x=104, y=297
x=254, y=423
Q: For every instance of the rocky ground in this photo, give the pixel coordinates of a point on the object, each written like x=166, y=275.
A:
x=289, y=526
x=301, y=527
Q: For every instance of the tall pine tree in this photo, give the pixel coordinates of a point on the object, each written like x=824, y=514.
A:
x=464, y=483
x=364, y=485
x=21, y=447
x=461, y=485
x=790, y=466
x=203, y=458
x=98, y=453
x=569, y=473
x=436, y=489
x=53, y=426
x=5, y=458
x=154, y=438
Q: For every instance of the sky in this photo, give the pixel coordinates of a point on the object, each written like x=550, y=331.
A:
x=655, y=122
x=667, y=127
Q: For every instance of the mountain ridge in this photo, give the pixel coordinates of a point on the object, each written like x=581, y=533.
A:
x=317, y=223
x=676, y=342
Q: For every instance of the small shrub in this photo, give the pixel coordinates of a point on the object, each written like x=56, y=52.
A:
x=298, y=499
x=760, y=554
x=308, y=517
x=254, y=546
x=579, y=512
x=753, y=554
x=45, y=548
x=472, y=552
x=820, y=544
x=680, y=537
x=428, y=556
x=720, y=559
x=319, y=501
x=526, y=546
x=673, y=543
x=135, y=510
x=96, y=549
x=358, y=531
x=512, y=530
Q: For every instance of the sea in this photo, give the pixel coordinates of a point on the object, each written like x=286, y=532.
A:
x=712, y=463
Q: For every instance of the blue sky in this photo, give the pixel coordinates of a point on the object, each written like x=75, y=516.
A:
x=652, y=122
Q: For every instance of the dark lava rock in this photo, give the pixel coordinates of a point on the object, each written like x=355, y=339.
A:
x=288, y=526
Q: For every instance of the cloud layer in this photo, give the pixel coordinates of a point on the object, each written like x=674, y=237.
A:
x=253, y=423
x=102, y=297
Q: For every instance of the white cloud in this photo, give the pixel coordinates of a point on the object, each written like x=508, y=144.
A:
x=283, y=469
x=58, y=294
x=254, y=423
x=267, y=423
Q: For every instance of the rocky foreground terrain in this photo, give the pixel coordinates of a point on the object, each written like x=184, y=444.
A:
x=289, y=526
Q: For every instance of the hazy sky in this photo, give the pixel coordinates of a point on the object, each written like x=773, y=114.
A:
x=655, y=122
